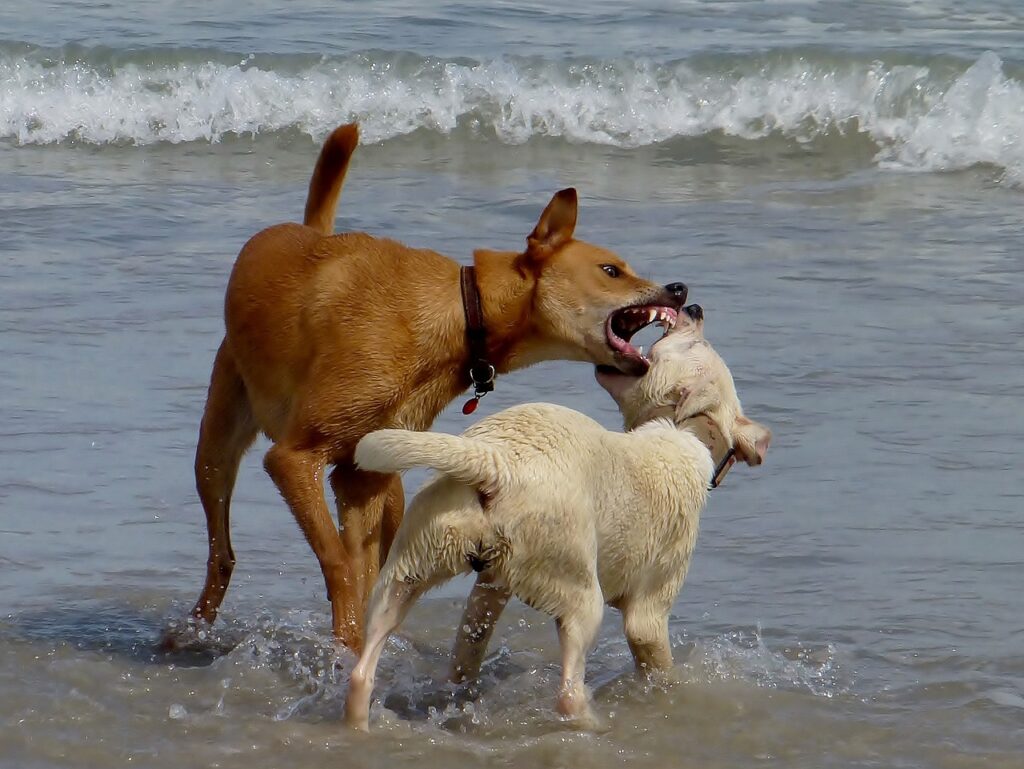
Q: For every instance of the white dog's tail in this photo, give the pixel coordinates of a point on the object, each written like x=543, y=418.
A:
x=467, y=460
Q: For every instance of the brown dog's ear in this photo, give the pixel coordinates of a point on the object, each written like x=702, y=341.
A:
x=555, y=227
x=751, y=440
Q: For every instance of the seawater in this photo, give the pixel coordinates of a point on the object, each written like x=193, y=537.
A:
x=838, y=183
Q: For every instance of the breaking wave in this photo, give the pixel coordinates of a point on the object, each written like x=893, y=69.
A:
x=926, y=114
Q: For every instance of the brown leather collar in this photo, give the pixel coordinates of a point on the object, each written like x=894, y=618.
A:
x=481, y=371
x=725, y=461
x=694, y=423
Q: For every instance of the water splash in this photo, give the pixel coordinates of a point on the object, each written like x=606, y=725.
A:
x=743, y=655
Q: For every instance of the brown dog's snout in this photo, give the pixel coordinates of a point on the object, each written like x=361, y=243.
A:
x=678, y=290
x=695, y=311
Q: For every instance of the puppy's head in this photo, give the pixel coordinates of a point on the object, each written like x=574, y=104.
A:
x=689, y=383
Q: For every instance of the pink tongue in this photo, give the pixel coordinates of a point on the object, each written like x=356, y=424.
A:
x=624, y=347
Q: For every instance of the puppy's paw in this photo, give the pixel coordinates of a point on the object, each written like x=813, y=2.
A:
x=586, y=721
x=357, y=724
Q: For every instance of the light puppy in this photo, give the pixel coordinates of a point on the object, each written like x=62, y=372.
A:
x=551, y=507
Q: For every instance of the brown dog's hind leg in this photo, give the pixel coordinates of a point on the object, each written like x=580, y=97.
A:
x=394, y=508
x=486, y=603
x=362, y=498
x=298, y=475
x=228, y=429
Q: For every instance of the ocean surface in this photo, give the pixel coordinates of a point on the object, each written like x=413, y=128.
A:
x=840, y=184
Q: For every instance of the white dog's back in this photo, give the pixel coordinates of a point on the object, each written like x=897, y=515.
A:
x=559, y=489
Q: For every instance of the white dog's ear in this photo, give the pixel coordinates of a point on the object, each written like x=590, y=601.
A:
x=751, y=440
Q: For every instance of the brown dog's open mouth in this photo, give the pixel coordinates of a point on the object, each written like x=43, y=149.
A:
x=623, y=324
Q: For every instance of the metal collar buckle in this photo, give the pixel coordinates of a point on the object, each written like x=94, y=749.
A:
x=481, y=371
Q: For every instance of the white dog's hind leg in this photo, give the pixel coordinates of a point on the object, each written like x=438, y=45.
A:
x=645, y=622
x=388, y=608
x=484, y=607
x=577, y=629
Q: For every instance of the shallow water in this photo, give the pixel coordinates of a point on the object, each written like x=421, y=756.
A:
x=850, y=223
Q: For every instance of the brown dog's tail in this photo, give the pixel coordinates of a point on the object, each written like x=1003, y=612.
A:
x=467, y=460
x=328, y=176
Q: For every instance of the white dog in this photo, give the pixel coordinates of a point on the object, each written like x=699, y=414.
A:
x=551, y=507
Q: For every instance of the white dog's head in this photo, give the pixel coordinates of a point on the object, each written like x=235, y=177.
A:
x=689, y=383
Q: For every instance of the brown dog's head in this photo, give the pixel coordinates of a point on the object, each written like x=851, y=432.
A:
x=689, y=382
x=587, y=302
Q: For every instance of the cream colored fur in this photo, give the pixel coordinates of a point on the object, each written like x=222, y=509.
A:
x=550, y=506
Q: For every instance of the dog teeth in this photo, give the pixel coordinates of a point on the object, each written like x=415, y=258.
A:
x=665, y=319
x=640, y=350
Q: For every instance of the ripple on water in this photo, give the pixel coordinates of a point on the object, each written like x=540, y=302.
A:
x=278, y=680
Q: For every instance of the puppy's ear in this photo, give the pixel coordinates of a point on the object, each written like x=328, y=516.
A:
x=555, y=227
x=751, y=440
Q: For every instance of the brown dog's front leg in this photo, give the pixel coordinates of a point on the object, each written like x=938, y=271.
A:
x=486, y=603
x=298, y=476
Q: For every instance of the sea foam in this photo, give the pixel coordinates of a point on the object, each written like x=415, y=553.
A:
x=931, y=116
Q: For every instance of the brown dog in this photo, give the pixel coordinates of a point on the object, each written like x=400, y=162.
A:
x=329, y=337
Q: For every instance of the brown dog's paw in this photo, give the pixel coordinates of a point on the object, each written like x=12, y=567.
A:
x=192, y=638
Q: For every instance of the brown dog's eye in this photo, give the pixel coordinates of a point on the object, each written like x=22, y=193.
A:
x=610, y=270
